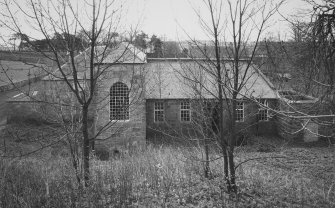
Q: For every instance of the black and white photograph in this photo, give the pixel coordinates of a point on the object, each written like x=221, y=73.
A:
x=167, y=103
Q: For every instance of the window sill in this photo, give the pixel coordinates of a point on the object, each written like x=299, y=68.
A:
x=122, y=121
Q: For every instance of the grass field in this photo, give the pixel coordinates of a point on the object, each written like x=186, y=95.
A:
x=283, y=175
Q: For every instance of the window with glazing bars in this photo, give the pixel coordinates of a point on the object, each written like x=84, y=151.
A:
x=159, y=111
x=119, y=102
x=240, y=111
x=263, y=110
x=185, y=111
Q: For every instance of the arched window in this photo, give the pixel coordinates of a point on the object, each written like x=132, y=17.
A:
x=119, y=102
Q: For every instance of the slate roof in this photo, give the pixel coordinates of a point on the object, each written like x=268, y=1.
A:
x=173, y=80
x=122, y=53
x=18, y=71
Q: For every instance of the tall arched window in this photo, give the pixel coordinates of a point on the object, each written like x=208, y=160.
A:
x=119, y=102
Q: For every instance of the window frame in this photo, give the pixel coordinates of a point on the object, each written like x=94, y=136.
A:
x=333, y=118
x=186, y=110
x=159, y=110
x=263, y=112
x=239, y=111
x=124, y=96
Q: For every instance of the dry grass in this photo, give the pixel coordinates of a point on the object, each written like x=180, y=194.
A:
x=169, y=177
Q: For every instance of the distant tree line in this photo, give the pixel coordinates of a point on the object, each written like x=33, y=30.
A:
x=156, y=48
x=153, y=46
x=60, y=42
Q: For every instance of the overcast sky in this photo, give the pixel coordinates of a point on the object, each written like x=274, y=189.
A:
x=167, y=17
x=173, y=19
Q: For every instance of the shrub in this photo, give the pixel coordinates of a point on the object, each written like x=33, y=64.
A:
x=21, y=184
x=101, y=152
x=157, y=177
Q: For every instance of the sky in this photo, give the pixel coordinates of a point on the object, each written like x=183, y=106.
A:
x=177, y=19
x=173, y=18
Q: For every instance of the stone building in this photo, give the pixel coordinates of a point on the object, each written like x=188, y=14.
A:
x=299, y=120
x=140, y=99
x=178, y=89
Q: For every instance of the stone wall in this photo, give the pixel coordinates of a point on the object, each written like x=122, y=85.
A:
x=172, y=129
x=111, y=134
x=172, y=126
x=23, y=111
x=252, y=125
x=42, y=107
x=121, y=133
x=293, y=128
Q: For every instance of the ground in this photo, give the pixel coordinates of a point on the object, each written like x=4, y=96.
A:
x=277, y=174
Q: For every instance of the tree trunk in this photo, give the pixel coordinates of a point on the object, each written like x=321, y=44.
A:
x=207, y=170
x=225, y=165
x=231, y=142
x=86, y=145
x=221, y=129
x=232, y=175
x=219, y=85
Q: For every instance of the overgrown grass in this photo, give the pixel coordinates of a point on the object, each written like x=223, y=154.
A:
x=158, y=177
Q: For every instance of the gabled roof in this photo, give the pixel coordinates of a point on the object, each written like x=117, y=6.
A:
x=120, y=53
x=124, y=53
x=16, y=71
x=175, y=80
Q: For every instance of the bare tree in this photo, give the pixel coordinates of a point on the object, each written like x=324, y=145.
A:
x=309, y=59
x=321, y=38
x=227, y=60
x=89, y=20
